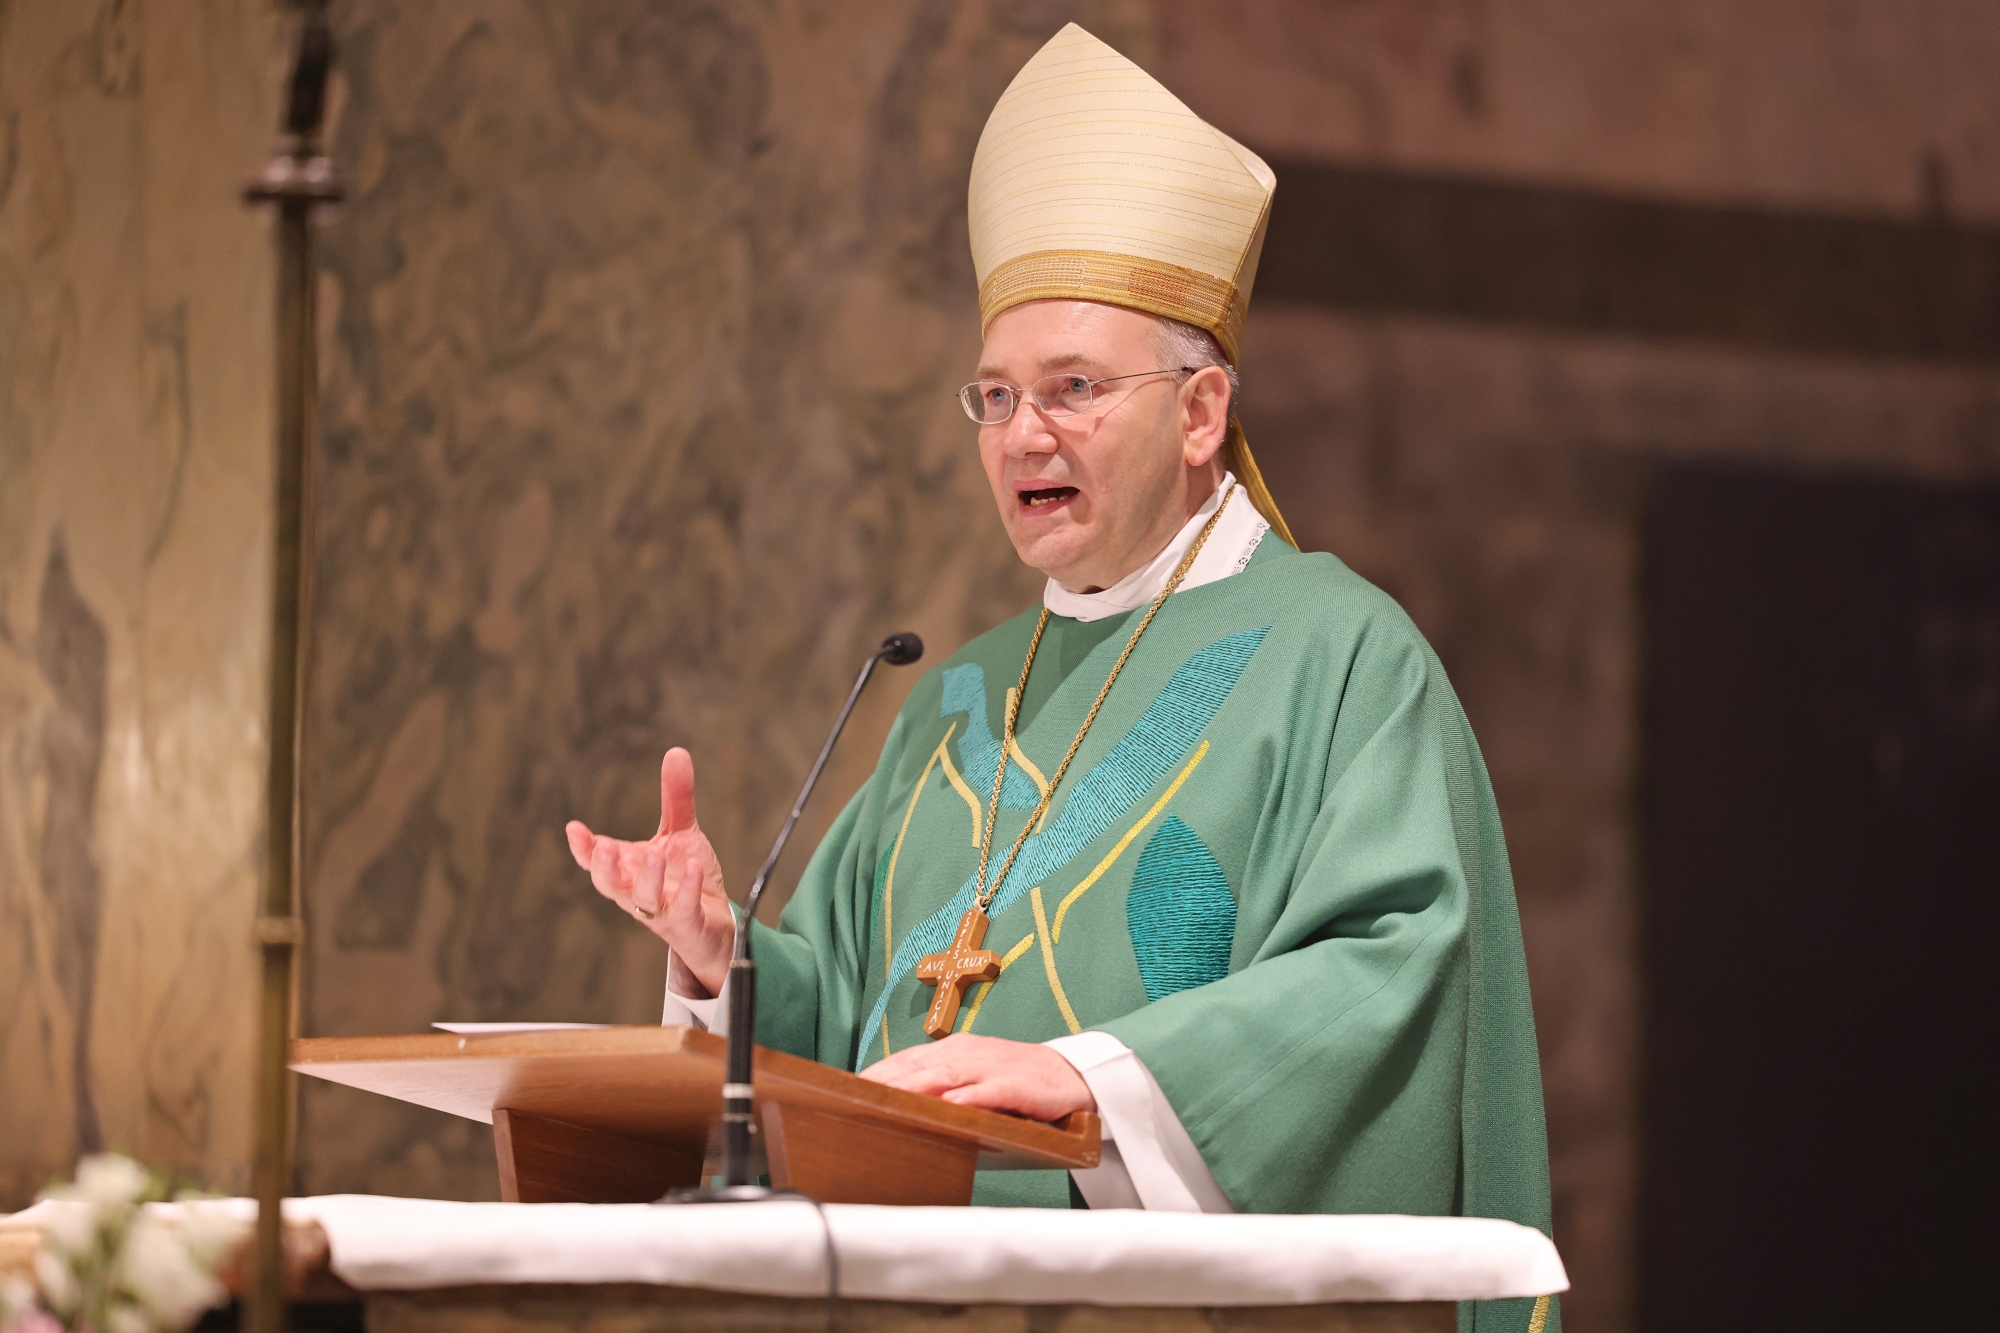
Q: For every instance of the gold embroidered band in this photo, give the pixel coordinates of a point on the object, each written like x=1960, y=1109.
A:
x=1143, y=284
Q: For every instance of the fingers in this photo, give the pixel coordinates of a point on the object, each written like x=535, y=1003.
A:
x=683, y=896
x=606, y=873
x=581, y=841
x=676, y=792
x=672, y=882
x=966, y=1083
x=999, y=1075
x=933, y=1080
x=632, y=875
x=697, y=922
x=648, y=883
x=1035, y=1092
x=995, y=1095
x=959, y=1059
x=674, y=887
x=896, y=1066
x=971, y=1078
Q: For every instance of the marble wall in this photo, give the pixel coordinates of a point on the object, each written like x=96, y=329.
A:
x=134, y=432
x=636, y=330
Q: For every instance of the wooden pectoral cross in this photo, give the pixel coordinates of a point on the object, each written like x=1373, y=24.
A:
x=955, y=969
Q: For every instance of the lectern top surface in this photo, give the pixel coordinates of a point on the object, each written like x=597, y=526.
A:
x=655, y=1083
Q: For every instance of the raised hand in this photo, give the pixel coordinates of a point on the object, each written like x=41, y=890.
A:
x=671, y=883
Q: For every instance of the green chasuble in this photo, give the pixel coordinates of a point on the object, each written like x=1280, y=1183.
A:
x=1275, y=872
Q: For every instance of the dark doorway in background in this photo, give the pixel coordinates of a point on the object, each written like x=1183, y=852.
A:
x=1821, y=843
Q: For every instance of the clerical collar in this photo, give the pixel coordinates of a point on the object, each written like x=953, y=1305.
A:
x=1227, y=552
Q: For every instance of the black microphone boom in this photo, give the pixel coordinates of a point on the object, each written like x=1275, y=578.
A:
x=897, y=650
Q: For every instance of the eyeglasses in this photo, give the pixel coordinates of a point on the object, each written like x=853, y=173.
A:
x=990, y=402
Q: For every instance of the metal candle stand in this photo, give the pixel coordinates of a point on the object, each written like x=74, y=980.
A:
x=297, y=180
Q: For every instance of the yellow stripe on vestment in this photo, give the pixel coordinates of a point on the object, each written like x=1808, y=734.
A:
x=1013, y=956
x=1049, y=935
x=889, y=880
x=1027, y=765
x=1049, y=960
x=1014, y=749
x=971, y=801
x=1063, y=909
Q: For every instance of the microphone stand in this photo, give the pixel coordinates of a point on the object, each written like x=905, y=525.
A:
x=297, y=180
x=737, y=1091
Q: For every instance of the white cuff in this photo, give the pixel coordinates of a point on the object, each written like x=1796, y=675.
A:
x=686, y=1008
x=1149, y=1160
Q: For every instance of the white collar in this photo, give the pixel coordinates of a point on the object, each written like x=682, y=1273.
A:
x=1227, y=551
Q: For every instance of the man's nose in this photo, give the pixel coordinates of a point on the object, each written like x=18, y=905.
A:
x=1026, y=432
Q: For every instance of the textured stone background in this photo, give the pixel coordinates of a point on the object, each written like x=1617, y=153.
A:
x=636, y=328
x=134, y=429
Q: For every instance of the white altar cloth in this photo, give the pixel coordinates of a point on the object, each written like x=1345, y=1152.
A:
x=942, y=1255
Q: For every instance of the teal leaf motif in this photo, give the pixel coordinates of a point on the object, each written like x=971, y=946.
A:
x=979, y=752
x=1180, y=912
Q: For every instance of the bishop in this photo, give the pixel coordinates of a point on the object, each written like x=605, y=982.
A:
x=1214, y=794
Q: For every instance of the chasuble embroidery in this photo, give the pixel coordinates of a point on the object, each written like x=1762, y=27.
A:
x=1356, y=1038
x=1113, y=788
x=1180, y=911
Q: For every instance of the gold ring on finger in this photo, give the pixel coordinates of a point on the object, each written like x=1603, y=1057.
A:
x=642, y=913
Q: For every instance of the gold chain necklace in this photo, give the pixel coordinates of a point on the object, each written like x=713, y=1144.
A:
x=965, y=962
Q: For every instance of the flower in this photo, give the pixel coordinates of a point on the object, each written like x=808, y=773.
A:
x=17, y=1300
x=109, y=1180
x=126, y=1319
x=162, y=1277
x=61, y=1292
x=35, y=1320
x=70, y=1229
x=210, y=1228
x=113, y=1260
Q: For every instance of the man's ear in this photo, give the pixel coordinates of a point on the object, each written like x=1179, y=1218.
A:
x=1204, y=415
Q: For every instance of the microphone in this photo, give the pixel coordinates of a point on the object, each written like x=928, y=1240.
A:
x=897, y=650
x=901, y=649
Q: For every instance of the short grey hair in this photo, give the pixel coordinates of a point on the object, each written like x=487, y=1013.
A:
x=1181, y=344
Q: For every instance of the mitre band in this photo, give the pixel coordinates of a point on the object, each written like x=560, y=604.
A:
x=1168, y=290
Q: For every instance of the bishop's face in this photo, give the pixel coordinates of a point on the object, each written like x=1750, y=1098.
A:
x=1089, y=498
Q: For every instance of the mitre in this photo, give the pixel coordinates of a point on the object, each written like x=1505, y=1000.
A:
x=1093, y=182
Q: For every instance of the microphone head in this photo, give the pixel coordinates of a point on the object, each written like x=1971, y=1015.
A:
x=902, y=649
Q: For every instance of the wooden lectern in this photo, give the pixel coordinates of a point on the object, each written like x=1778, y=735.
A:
x=622, y=1115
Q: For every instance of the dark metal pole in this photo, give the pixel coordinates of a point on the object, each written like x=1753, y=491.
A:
x=296, y=180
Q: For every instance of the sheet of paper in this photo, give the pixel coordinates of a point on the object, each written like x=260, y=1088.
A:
x=468, y=1029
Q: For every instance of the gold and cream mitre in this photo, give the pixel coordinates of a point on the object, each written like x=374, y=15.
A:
x=1092, y=182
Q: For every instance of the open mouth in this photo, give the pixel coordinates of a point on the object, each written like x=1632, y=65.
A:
x=1045, y=498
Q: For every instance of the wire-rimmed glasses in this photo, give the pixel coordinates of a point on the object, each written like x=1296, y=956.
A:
x=992, y=402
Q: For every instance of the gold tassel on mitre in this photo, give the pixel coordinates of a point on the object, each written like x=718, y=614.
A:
x=1239, y=460
x=1092, y=182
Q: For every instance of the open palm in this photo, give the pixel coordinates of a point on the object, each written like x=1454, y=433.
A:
x=671, y=882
